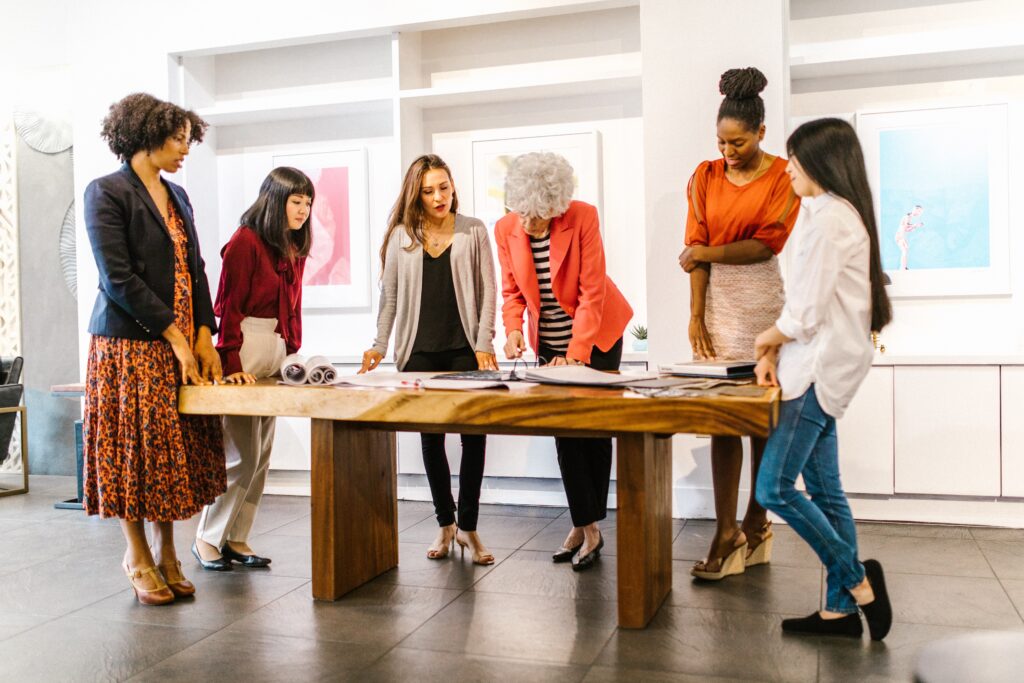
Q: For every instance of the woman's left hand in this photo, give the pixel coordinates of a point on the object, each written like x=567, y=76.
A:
x=689, y=258
x=562, y=360
x=486, y=361
x=207, y=356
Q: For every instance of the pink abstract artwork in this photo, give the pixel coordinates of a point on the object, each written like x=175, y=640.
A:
x=330, y=259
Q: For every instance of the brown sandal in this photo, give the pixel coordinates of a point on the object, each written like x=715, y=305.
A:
x=733, y=563
x=176, y=581
x=161, y=595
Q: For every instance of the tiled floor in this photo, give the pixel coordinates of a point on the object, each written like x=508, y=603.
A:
x=67, y=614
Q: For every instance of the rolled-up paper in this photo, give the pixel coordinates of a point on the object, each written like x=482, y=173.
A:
x=320, y=371
x=293, y=370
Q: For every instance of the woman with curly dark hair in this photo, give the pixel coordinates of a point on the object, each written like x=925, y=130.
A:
x=741, y=211
x=151, y=329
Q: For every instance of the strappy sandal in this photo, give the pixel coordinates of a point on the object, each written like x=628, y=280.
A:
x=483, y=559
x=176, y=581
x=762, y=552
x=733, y=563
x=161, y=595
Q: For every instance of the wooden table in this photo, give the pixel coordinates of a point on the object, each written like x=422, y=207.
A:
x=354, y=473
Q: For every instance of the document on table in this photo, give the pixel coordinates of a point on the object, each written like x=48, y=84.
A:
x=581, y=375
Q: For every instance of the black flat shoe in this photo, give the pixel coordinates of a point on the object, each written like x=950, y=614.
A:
x=566, y=554
x=584, y=562
x=878, y=612
x=848, y=626
x=251, y=561
x=220, y=565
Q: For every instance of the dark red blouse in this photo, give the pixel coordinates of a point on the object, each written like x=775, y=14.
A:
x=255, y=283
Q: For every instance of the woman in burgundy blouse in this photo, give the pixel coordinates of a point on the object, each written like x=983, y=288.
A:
x=260, y=307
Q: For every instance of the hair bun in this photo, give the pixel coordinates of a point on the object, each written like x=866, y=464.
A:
x=742, y=84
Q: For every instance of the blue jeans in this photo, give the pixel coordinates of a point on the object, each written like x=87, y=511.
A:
x=805, y=443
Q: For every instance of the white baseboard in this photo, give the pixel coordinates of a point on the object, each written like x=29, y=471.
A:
x=698, y=503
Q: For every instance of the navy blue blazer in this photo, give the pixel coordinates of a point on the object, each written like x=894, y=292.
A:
x=135, y=257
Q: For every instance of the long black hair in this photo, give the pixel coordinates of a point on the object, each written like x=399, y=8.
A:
x=742, y=88
x=267, y=214
x=829, y=153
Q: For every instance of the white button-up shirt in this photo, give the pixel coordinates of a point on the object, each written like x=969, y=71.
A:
x=828, y=306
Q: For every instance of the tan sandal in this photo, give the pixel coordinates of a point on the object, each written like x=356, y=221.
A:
x=762, y=552
x=731, y=564
x=483, y=559
x=440, y=552
x=161, y=595
x=176, y=581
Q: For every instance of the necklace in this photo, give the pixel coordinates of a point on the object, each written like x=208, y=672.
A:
x=757, y=171
x=436, y=239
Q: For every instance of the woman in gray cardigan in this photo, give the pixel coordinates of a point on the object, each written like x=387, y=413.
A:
x=438, y=284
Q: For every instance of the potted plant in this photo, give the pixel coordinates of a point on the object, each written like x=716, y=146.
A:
x=640, y=340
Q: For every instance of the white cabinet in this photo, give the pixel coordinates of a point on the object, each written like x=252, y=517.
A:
x=866, y=436
x=1013, y=431
x=947, y=438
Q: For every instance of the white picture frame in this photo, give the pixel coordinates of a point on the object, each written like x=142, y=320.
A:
x=960, y=156
x=491, y=158
x=342, y=201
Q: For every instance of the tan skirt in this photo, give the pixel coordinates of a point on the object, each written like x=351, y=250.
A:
x=742, y=302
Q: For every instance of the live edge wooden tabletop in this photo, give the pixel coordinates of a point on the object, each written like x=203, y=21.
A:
x=353, y=463
x=543, y=409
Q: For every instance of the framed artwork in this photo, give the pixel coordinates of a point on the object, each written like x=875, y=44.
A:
x=491, y=159
x=337, y=271
x=940, y=184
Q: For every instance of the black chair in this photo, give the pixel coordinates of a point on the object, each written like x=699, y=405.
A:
x=11, y=391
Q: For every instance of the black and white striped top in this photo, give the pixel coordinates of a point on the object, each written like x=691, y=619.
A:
x=555, y=323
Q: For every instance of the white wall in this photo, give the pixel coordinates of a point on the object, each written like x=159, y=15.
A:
x=684, y=57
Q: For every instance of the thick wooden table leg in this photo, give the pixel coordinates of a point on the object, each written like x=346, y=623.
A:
x=644, y=488
x=355, y=506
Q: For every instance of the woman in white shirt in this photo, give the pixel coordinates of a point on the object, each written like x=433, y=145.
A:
x=819, y=351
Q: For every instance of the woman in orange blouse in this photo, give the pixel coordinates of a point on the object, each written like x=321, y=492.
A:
x=741, y=210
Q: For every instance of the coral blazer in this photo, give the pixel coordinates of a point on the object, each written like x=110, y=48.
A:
x=598, y=310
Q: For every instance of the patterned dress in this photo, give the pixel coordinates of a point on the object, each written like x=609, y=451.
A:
x=143, y=460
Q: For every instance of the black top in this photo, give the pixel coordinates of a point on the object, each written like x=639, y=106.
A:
x=135, y=257
x=440, y=325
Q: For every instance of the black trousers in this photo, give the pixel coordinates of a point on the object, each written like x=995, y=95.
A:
x=435, y=460
x=586, y=464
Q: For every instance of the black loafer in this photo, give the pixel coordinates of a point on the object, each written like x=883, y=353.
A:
x=566, y=554
x=221, y=564
x=251, y=561
x=848, y=626
x=878, y=612
x=583, y=562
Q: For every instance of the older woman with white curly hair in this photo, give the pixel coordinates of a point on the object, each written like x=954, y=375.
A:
x=552, y=267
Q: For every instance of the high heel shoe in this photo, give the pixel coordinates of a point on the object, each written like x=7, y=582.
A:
x=731, y=564
x=762, y=552
x=483, y=559
x=878, y=612
x=435, y=552
x=161, y=595
x=176, y=581
x=564, y=554
x=221, y=564
x=583, y=562
x=251, y=561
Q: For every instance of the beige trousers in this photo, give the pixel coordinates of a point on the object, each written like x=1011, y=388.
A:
x=247, y=444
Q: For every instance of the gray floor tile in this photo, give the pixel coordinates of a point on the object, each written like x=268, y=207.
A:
x=1015, y=589
x=63, y=585
x=951, y=601
x=412, y=512
x=552, y=536
x=291, y=555
x=913, y=530
x=707, y=642
x=985, y=533
x=611, y=674
x=763, y=588
x=496, y=531
x=34, y=506
x=937, y=556
x=375, y=614
x=301, y=527
x=221, y=598
x=276, y=511
x=80, y=649
x=529, y=572
x=1006, y=558
x=13, y=623
x=424, y=666
x=456, y=572
x=544, y=629
x=841, y=660
x=523, y=511
x=237, y=656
